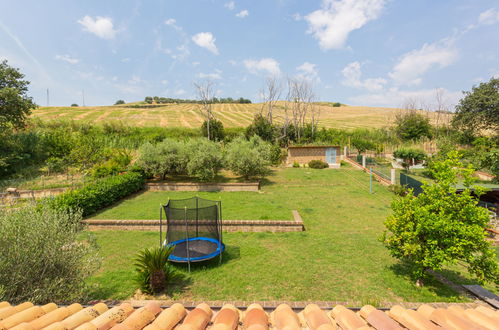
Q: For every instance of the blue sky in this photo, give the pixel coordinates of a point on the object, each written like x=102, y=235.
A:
x=359, y=52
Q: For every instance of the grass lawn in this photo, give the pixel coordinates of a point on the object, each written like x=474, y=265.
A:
x=338, y=257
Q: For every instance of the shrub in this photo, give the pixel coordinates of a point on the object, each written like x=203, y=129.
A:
x=296, y=164
x=99, y=194
x=74, y=105
x=262, y=127
x=441, y=226
x=216, y=130
x=397, y=189
x=409, y=156
x=164, y=158
x=205, y=159
x=412, y=126
x=343, y=163
x=153, y=271
x=43, y=258
x=249, y=158
x=119, y=102
x=56, y=165
x=317, y=164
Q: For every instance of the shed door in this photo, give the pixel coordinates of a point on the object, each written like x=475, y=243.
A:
x=331, y=155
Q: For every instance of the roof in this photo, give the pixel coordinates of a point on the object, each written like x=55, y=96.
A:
x=154, y=317
x=298, y=147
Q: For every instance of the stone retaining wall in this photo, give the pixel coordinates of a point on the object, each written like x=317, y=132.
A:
x=33, y=194
x=274, y=226
x=195, y=186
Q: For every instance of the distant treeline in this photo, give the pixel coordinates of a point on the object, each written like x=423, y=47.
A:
x=161, y=100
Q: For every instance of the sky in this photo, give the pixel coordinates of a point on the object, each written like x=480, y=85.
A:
x=358, y=52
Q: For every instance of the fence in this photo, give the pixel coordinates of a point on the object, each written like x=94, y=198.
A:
x=410, y=182
x=380, y=164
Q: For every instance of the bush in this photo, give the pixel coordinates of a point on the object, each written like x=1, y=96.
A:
x=249, y=158
x=216, y=130
x=262, y=127
x=164, y=158
x=74, y=105
x=412, y=126
x=205, y=159
x=99, y=194
x=317, y=164
x=296, y=164
x=409, y=156
x=153, y=271
x=43, y=256
x=119, y=102
x=397, y=189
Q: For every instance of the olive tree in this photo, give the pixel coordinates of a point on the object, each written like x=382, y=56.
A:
x=167, y=157
x=249, y=158
x=442, y=226
x=205, y=159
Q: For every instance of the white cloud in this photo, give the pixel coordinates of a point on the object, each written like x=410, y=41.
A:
x=212, y=76
x=243, y=13
x=206, y=40
x=67, y=58
x=135, y=80
x=353, y=78
x=332, y=24
x=100, y=26
x=489, y=17
x=269, y=65
x=308, y=70
x=182, y=54
x=173, y=23
x=180, y=92
x=414, y=64
x=230, y=5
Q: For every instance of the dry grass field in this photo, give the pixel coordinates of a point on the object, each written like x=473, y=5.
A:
x=232, y=115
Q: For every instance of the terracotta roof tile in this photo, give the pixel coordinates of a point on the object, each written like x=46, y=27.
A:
x=151, y=316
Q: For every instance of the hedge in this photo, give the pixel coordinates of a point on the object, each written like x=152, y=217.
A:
x=99, y=194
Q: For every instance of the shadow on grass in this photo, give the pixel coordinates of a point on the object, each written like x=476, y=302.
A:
x=231, y=253
x=265, y=181
x=403, y=269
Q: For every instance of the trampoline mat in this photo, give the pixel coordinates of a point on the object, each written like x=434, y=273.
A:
x=197, y=248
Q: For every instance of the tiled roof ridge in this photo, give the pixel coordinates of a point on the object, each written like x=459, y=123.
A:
x=152, y=316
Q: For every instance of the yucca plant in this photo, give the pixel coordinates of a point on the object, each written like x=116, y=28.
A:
x=153, y=271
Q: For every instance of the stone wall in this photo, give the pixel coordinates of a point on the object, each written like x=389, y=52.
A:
x=195, y=186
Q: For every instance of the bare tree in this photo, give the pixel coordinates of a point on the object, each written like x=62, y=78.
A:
x=206, y=92
x=271, y=94
x=300, y=98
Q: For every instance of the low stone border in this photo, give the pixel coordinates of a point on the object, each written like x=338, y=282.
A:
x=195, y=186
x=34, y=194
x=275, y=226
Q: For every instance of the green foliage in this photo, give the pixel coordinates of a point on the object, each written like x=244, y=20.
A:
x=148, y=100
x=216, y=130
x=442, y=226
x=42, y=258
x=152, y=268
x=99, y=194
x=165, y=100
x=479, y=108
x=15, y=104
x=336, y=104
x=296, y=164
x=249, y=158
x=262, y=127
x=317, y=164
x=398, y=189
x=409, y=156
x=205, y=159
x=74, y=105
x=164, y=158
x=412, y=126
x=362, y=145
x=119, y=102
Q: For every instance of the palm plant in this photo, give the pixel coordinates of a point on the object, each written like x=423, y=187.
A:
x=153, y=271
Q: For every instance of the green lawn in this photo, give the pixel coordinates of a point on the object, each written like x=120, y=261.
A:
x=338, y=257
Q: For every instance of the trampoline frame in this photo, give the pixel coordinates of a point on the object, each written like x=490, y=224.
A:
x=220, y=246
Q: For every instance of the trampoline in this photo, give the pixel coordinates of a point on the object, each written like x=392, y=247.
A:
x=193, y=228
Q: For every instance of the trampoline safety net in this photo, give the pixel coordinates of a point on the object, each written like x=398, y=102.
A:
x=193, y=226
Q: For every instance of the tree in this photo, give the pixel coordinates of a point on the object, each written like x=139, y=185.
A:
x=271, y=95
x=206, y=95
x=148, y=99
x=249, y=158
x=119, y=102
x=74, y=105
x=479, y=109
x=216, y=129
x=205, y=159
x=411, y=125
x=441, y=226
x=165, y=158
x=262, y=127
x=409, y=156
x=15, y=104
